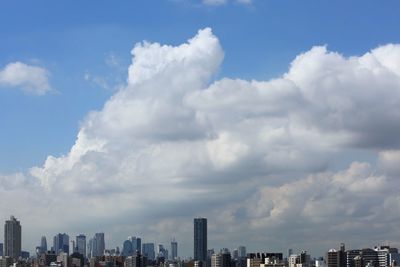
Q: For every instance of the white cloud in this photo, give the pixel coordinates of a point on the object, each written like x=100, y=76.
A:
x=214, y=2
x=31, y=79
x=253, y=156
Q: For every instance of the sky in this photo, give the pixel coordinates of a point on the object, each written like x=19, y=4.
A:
x=276, y=120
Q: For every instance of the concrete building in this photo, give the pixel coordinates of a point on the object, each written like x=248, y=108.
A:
x=12, y=238
x=138, y=260
x=200, y=239
x=301, y=260
x=6, y=261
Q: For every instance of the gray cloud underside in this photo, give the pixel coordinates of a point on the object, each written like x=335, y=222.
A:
x=255, y=157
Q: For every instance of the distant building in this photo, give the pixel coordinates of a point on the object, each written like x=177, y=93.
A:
x=61, y=243
x=174, y=250
x=148, y=251
x=222, y=259
x=6, y=261
x=350, y=257
x=137, y=260
x=162, y=253
x=387, y=256
x=1, y=249
x=301, y=260
x=81, y=244
x=25, y=254
x=242, y=251
x=200, y=239
x=136, y=244
x=12, y=238
x=127, y=248
x=43, y=244
x=97, y=245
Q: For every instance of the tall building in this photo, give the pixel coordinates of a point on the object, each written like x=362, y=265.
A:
x=98, y=245
x=127, y=248
x=136, y=244
x=1, y=249
x=200, y=239
x=241, y=251
x=61, y=243
x=12, y=238
x=148, y=251
x=43, y=244
x=174, y=249
x=81, y=244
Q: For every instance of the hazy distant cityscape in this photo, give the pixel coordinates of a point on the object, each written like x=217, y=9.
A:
x=93, y=252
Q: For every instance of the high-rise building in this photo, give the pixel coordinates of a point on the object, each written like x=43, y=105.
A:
x=148, y=251
x=61, y=243
x=174, y=249
x=127, y=248
x=1, y=249
x=242, y=251
x=81, y=244
x=12, y=238
x=162, y=252
x=200, y=239
x=43, y=244
x=98, y=245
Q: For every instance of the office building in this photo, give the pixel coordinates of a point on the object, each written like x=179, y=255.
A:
x=148, y=251
x=12, y=238
x=81, y=244
x=200, y=239
x=43, y=244
x=127, y=248
x=61, y=243
x=6, y=261
x=137, y=260
x=136, y=244
x=1, y=249
x=97, y=245
x=174, y=250
x=242, y=251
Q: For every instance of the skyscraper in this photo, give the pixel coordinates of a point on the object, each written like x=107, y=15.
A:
x=43, y=244
x=12, y=238
x=148, y=251
x=98, y=245
x=200, y=239
x=136, y=244
x=61, y=243
x=81, y=244
x=174, y=249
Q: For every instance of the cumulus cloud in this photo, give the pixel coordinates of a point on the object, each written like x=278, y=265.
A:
x=31, y=79
x=254, y=156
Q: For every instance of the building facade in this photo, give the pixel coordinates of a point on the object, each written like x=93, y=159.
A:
x=200, y=239
x=12, y=238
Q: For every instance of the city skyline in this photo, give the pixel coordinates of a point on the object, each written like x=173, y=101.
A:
x=278, y=121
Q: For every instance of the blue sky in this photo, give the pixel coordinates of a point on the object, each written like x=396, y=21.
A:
x=224, y=139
